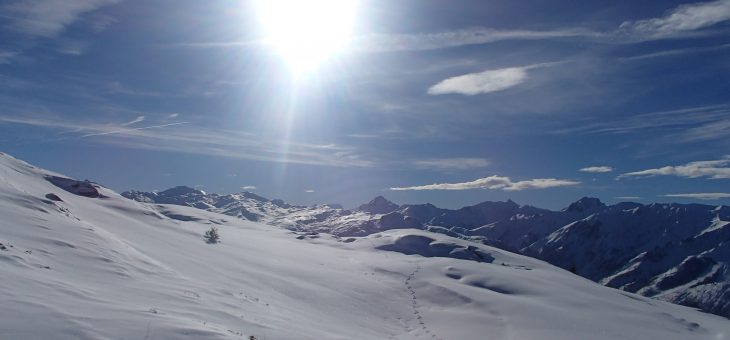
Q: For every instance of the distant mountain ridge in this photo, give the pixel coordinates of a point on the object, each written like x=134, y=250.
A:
x=675, y=252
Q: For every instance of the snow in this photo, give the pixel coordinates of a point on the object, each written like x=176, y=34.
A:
x=111, y=268
x=717, y=224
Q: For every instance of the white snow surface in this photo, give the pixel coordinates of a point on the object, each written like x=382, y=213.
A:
x=111, y=268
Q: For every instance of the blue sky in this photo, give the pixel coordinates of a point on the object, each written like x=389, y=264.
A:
x=448, y=102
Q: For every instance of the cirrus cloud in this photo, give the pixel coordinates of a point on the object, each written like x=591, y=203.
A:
x=458, y=38
x=682, y=19
x=715, y=169
x=494, y=183
x=47, y=18
x=701, y=195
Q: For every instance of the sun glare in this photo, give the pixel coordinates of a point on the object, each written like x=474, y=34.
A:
x=307, y=33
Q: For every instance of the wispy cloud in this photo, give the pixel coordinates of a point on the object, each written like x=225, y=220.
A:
x=309, y=191
x=708, y=131
x=485, y=82
x=183, y=137
x=701, y=195
x=465, y=37
x=495, y=183
x=218, y=44
x=629, y=197
x=715, y=169
x=119, y=88
x=127, y=131
x=71, y=46
x=99, y=23
x=249, y=188
x=681, y=126
x=7, y=56
x=682, y=21
x=374, y=43
x=451, y=163
x=677, y=51
x=47, y=18
x=139, y=119
x=597, y=169
x=679, y=21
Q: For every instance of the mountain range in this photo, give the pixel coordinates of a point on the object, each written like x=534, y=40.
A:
x=673, y=252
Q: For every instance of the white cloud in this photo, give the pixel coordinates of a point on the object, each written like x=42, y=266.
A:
x=482, y=82
x=451, y=163
x=683, y=19
x=309, y=191
x=249, y=188
x=716, y=169
x=47, y=18
x=597, y=169
x=495, y=183
x=701, y=195
x=487, y=81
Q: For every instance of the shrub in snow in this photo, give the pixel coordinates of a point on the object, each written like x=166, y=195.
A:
x=212, y=236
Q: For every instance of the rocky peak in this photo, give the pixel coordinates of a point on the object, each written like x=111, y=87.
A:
x=585, y=204
x=379, y=205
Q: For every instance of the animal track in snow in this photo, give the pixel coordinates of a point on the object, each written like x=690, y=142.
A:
x=414, y=303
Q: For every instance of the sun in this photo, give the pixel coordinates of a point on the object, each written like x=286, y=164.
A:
x=307, y=33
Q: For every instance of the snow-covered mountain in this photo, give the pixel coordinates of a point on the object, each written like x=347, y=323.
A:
x=81, y=262
x=677, y=252
x=674, y=252
x=252, y=207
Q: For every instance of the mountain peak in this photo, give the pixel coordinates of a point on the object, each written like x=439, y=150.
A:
x=379, y=205
x=585, y=204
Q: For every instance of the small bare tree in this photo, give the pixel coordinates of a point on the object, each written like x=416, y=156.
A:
x=211, y=236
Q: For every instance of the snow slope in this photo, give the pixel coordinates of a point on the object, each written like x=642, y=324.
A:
x=80, y=266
